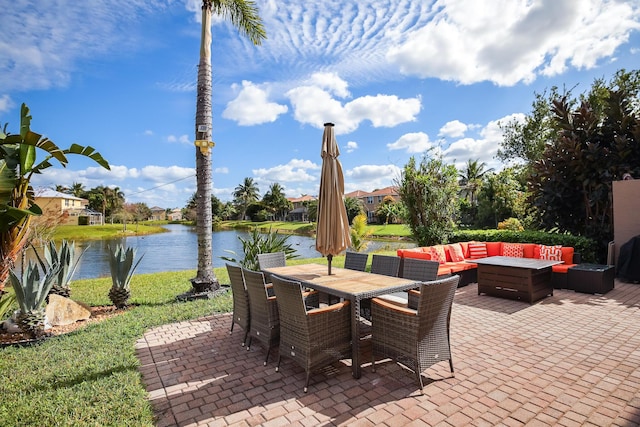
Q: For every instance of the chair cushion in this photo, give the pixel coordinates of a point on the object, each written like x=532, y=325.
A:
x=477, y=250
x=551, y=253
x=455, y=252
x=513, y=250
x=562, y=268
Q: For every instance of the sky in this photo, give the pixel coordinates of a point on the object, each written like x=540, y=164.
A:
x=397, y=77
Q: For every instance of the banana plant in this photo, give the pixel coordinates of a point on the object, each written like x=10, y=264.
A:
x=17, y=198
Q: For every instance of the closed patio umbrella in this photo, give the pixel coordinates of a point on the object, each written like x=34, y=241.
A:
x=332, y=235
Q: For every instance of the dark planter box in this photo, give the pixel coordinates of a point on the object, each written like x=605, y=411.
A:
x=591, y=278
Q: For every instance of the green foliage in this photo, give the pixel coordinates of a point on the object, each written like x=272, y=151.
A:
x=122, y=269
x=502, y=195
x=6, y=302
x=64, y=257
x=260, y=243
x=30, y=288
x=572, y=182
x=359, y=233
x=584, y=246
x=388, y=210
x=17, y=198
x=353, y=206
x=429, y=193
x=512, y=224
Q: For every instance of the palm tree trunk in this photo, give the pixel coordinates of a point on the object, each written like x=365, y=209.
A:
x=205, y=279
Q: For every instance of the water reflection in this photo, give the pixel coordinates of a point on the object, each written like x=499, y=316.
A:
x=177, y=250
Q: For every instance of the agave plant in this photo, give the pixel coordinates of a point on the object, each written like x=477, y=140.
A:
x=122, y=269
x=31, y=292
x=65, y=256
x=260, y=243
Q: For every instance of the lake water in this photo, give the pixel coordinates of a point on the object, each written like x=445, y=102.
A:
x=178, y=250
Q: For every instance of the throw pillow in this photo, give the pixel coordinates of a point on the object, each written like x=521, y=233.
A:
x=438, y=254
x=513, y=249
x=477, y=250
x=551, y=253
x=455, y=252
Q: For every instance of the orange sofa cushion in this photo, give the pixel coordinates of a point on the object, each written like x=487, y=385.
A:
x=456, y=253
x=494, y=248
x=528, y=250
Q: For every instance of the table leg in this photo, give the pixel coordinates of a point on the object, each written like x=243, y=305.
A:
x=355, y=337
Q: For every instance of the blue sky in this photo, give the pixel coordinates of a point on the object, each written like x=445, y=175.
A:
x=396, y=77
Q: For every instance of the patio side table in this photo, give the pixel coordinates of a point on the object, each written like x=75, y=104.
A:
x=591, y=278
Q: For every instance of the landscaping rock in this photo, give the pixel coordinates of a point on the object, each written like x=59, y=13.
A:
x=64, y=311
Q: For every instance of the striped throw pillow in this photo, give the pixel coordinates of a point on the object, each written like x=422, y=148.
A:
x=551, y=253
x=477, y=250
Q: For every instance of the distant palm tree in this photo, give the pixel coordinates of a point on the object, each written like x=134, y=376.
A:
x=77, y=189
x=471, y=178
x=276, y=201
x=245, y=194
x=243, y=14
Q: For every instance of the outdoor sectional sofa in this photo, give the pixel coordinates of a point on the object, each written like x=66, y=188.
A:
x=457, y=258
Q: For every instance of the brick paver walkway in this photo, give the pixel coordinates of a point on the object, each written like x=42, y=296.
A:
x=569, y=360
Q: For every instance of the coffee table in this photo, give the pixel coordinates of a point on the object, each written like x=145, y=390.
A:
x=526, y=279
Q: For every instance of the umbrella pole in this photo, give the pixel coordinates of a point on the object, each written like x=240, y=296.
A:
x=329, y=258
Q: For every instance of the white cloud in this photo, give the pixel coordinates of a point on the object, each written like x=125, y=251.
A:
x=416, y=142
x=467, y=42
x=453, y=129
x=252, y=107
x=351, y=146
x=332, y=82
x=5, y=103
x=370, y=177
x=294, y=171
x=483, y=148
x=223, y=170
x=315, y=106
x=182, y=139
x=148, y=132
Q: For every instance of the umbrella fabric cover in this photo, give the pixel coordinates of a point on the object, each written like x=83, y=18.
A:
x=332, y=235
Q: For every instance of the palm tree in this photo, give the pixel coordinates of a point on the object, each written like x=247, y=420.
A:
x=471, y=178
x=276, y=200
x=245, y=194
x=77, y=189
x=244, y=16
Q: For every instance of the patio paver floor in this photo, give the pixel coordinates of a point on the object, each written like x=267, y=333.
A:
x=569, y=360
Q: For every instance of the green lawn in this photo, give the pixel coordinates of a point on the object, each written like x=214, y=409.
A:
x=90, y=232
x=90, y=376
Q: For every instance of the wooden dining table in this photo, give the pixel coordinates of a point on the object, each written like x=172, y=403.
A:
x=348, y=284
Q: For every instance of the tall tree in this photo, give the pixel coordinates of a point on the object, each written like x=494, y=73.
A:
x=428, y=191
x=243, y=14
x=354, y=207
x=276, y=201
x=471, y=179
x=245, y=194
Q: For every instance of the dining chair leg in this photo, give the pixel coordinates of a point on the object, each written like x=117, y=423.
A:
x=267, y=358
x=249, y=343
x=231, y=331
x=278, y=364
x=244, y=340
x=451, y=365
x=306, y=384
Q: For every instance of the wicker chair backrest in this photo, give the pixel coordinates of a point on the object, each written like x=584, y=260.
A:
x=270, y=260
x=434, y=308
x=420, y=269
x=291, y=306
x=356, y=260
x=385, y=264
x=256, y=287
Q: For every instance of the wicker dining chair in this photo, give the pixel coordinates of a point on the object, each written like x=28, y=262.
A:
x=241, y=313
x=270, y=260
x=311, y=338
x=385, y=264
x=356, y=260
x=420, y=338
x=423, y=270
x=265, y=322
